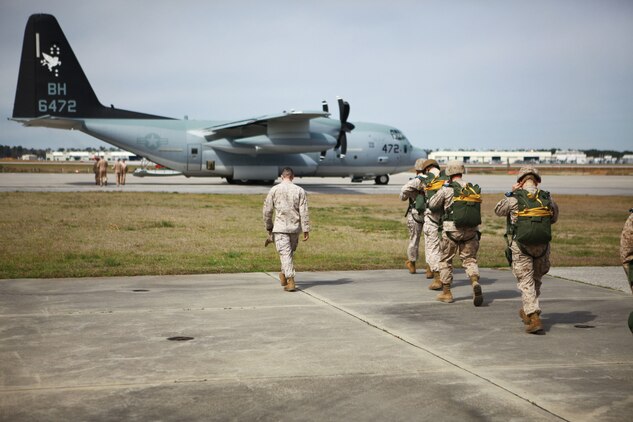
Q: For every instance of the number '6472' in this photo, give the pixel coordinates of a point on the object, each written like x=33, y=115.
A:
x=57, y=106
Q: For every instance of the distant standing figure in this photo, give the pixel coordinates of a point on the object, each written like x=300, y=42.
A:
x=290, y=205
x=103, y=172
x=95, y=169
x=117, y=172
x=530, y=213
x=626, y=255
x=123, y=171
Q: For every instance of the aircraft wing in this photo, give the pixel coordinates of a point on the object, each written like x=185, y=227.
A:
x=276, y=125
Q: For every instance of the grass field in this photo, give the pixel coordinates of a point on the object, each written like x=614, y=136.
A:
x=120, y=233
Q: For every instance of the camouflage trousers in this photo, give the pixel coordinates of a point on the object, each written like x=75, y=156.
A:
x=415, y=233
x=286, y=244
x=629, y=273
x=464, y=242
x=529, y=270
x=432, y=244
x=103, y=177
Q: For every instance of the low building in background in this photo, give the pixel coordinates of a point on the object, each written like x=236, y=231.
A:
x=29, y=157
x=87, y=156
x=492, y=157
x=513, y=157
x=570, y=157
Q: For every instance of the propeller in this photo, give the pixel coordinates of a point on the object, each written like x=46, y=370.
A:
x=326, y=109
x=341, y=141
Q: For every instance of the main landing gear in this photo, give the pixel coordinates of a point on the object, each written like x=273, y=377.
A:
x=382, y=180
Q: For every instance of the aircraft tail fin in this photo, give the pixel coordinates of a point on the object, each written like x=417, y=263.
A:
x=51, y=82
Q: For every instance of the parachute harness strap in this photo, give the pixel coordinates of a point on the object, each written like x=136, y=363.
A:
x=434, y=185
x=541, y=211
x=466, y=196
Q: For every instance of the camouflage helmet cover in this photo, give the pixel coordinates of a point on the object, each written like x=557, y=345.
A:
x=455, y=167
x=430, y=163
x=526, y=170
x=419, y=164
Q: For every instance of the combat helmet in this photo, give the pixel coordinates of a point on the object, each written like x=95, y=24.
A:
x=430, y=163
x=419, y=164
x=455, y=167
x=526, y=170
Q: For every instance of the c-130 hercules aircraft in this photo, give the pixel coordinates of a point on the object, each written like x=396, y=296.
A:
x=54, y=92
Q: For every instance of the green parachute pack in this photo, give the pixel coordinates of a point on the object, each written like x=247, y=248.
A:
x=466, y=209
x=431, y=185
x=534, y=218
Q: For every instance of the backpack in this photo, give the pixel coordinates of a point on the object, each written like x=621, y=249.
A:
x=466, y=209
x=534, y=218
x=431, y=185
x=419, y=203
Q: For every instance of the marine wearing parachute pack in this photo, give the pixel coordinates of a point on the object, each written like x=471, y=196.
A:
x=530, y=212
x=429, y=179
x=460, y=201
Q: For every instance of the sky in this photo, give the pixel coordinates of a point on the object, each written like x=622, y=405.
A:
x=451, y=74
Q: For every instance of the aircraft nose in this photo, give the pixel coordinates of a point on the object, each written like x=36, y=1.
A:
x=418, y=153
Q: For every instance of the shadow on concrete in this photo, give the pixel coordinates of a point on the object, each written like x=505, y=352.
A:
x=307, y=284
x=576, y=318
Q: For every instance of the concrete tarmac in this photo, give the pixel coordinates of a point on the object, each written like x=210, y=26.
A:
x=357, y=345
x=84, y=182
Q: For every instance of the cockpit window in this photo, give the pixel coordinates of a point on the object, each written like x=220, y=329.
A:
x=397, y=135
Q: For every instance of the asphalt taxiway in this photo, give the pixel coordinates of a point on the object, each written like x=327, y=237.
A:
x=84, y=182
x=357, y=345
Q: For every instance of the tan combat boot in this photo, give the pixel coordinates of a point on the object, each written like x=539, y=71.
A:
x=478, y=296
x=290, y=287
x=437, y=283
x=535, y=323
x=429, y=273
x=282, y=278
x=524, y=317
x=446, y=296
x=410, y=266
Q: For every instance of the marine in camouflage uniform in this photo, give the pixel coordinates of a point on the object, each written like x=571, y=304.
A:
x=462, y=240
x=103, y=171
x=117, y=171
x=626, y=255
x=95, y=170
x=432, y=221
x=529, y=262
x=409, y=192
x=290, y=206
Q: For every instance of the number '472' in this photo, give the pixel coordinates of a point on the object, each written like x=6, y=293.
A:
x=395, y=148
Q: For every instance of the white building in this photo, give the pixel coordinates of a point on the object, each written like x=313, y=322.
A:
x=570, y=157
x=85, y=156
x=492, y=157
x=627, y=159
